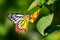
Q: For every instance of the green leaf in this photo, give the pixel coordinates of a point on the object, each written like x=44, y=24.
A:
x=44, y=22
x=39, y=3
x=51, y=29
x=33, y=10
x=53, y=36
x=58, y=25
x=50, y=2
x=44, y=10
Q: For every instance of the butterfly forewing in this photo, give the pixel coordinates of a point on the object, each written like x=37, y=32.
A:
x=15, y=17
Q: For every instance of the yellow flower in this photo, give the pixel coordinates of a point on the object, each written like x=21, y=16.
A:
x=34, y=16
x=31, y=20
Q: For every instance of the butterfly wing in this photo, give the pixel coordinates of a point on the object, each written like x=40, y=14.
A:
x=21, y=21
x=15, y=17
x=22, y=25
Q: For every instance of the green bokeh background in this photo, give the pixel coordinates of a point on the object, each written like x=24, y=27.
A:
x=7, y=28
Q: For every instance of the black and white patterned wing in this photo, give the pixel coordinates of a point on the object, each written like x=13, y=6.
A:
x=15, y=17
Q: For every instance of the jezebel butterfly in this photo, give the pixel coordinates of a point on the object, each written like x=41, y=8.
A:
x=22, y=21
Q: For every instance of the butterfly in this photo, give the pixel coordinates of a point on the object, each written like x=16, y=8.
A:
x=22, y=21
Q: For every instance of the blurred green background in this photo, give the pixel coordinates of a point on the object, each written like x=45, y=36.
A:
x=7, y=28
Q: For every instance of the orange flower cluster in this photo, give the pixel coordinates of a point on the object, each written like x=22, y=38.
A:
x=34, y=16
